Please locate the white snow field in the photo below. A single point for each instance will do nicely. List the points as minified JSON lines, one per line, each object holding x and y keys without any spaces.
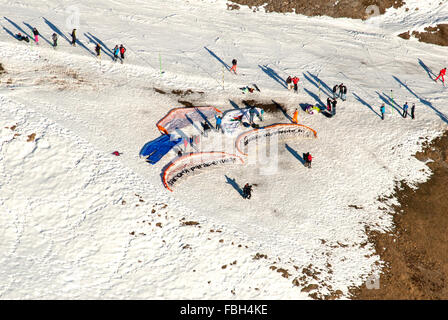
{"x":79,"y":223}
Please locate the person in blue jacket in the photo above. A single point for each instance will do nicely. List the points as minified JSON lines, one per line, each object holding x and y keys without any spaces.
{"x":383,"y":110}
{"x":405,"y":110}
{"x":218,"y":122}
{"x":116,"y":52}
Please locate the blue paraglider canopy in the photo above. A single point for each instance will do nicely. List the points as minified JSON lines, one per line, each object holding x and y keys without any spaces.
{"x":156,"y":149}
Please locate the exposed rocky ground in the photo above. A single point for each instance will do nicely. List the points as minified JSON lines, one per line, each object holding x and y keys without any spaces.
{"x":356,"y":9}
{"x":435,"y":35}
{"x":416,"y":253}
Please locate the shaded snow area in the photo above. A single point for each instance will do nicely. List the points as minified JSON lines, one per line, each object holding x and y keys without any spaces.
{"x":79,"y":222}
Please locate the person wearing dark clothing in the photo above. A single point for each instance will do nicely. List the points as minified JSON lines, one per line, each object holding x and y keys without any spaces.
{"x":289,"y":82}
{"x":342,"y":91}
{"x":334,"y":102}
{"x":405,"y":110}
{"x":206,"y":127}
{"x":122,"y":51}
{"x":247,"y":191}
{"x":305,"y":158}
{"x":335,"y":89}
{"x":22,"y":38}
{"x":73,"y":35}
{"x":55,"y":40}
{"x":36,"y":36}
{"x":98,"y":50}
{"x":412,"y":111}
{"x":329,"y":103}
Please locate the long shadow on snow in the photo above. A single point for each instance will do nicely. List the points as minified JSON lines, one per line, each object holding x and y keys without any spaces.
{"x":234,"y":105}
{"x":274,"y":75}
{"x":56,"y":30}
{"x":10,"y":33}
{"x":18,"y":27}
{"x":217,"y":58}
{"x":315,"y":83}
{"x":295,"y":154}
{"x":423,"y":101}
{"x":425,"y":67}
{"x":315,"y":97}
{"x":388,"y":100}
{"x":96,"y":41}
{"x":282,"y":110}
{"x":235,"y":185}
{"x":366,"y":104}
{"x":40,"y":35}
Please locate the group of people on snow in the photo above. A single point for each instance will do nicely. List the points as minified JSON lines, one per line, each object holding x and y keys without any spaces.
{"x":293,"y":82}
{"x":405,"y":111}
{"x":342,"y":91}
{"x":118,"y":50}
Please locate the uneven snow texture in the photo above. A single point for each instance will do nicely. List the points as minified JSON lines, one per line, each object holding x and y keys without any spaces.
{"x":78,"y":222}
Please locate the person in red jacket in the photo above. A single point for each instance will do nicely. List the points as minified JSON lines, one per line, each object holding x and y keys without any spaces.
{"x":310,"y":158}
{"x":122,"y":51}
{"x":295,"y":81}
{"x":441,"y":75}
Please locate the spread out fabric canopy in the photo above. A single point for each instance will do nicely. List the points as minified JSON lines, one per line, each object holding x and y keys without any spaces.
{"x":179,"y":118}
{"x":195,"y":163}
{"x":281,"y":130}
{"x":156,"y":149}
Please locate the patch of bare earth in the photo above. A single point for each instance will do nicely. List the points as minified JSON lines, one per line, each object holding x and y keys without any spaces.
{"x":2,"y":69}
{"x":356,"y":9}
{"x":435,"y":35}
{"x":416,"y":253}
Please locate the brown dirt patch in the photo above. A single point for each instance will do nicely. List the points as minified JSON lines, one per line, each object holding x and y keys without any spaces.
{"x":416,"y":253}
{"x":435,"y":35}
{"x":2,"y":69}
{"x":355,"y":9}
{"x":31,"y":137}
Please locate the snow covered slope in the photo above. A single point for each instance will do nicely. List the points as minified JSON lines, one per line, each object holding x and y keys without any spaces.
{"x":78,"y":222}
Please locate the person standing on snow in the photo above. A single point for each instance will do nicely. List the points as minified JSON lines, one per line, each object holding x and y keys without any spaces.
{"x":295,"y":116}
{"x":98,"y":50}
{"x":441,"y":75}
{"x":342,"y":91}
{"x":122,"y":51}
{"x":295,"y":81}
{"x":73,"y":35}
{"x":234,"y":62}
{"x":412,"y":111}
{"x":247,"y":191}
{"x":334,"y":102}
{"x":218,"y":123}
{"x":383,"y":111}
{"x":36,"y":36}
{"x":405,"y":110}
{"x":309,"y":159}
{"x":335,"y":89}
{"x":116,"y":52}
{"x":289,"y":83}
{"x":329,"y":103}
{"x":55,"y":40}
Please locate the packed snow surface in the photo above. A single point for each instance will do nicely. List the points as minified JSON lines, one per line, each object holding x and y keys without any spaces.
{"x":79,"y":222}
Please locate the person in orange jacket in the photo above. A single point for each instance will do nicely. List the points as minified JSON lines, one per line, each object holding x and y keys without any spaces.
{"x":441,"y":75}
{"x":295,"y":117}
{"x":234,"y":62}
